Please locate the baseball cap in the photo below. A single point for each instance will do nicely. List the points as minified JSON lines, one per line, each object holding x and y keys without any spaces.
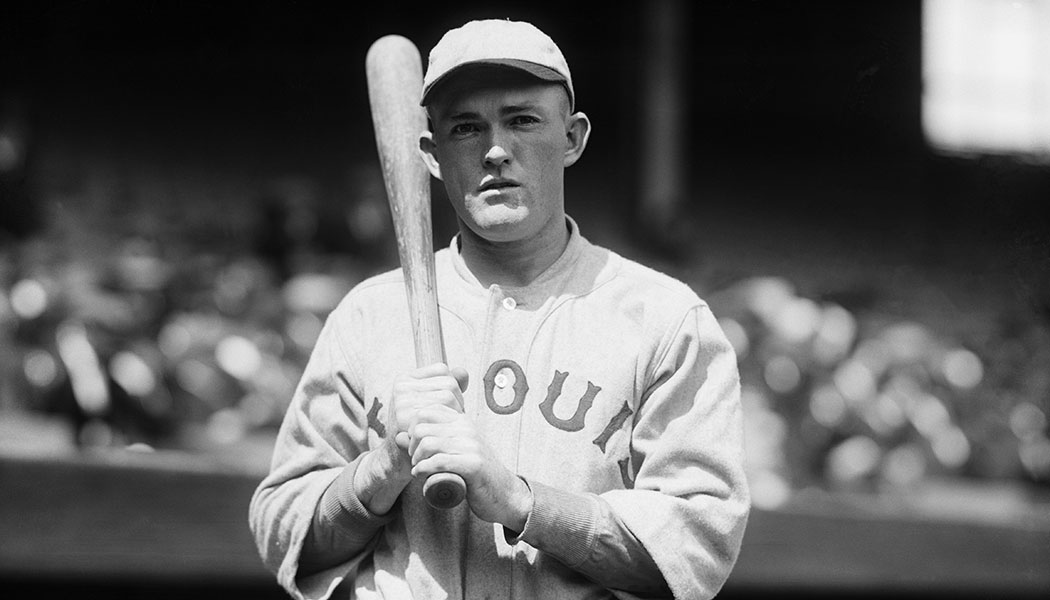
{"x":506,"y":43}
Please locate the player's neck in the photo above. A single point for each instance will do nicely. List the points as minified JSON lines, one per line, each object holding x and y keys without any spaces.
{"x":512,"y":264}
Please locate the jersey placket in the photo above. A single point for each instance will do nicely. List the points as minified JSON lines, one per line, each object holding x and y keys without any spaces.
{"x":498,"y":414}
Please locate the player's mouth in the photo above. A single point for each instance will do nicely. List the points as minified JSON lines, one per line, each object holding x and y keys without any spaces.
{"x":497,"y":184}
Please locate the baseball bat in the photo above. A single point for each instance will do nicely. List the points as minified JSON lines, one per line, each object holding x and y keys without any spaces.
{"x":395,"y":80}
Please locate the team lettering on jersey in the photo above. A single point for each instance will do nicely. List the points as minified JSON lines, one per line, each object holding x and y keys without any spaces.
{"x":554,"y":391}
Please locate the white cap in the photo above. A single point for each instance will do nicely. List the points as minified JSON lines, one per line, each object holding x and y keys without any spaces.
{"x":514,"y":44}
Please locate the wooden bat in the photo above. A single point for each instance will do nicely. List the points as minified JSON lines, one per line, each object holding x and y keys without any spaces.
{"x":395,"y":81}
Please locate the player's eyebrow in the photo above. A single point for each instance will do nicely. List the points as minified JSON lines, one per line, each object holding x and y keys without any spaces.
{"x":469,"y":115}
{"x":517,"y":108}
{"x":466,"y":115}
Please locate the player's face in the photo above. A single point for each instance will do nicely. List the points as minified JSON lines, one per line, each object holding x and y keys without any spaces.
{"x":501,"y":147}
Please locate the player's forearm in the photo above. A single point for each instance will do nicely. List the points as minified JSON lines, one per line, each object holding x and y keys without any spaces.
{"x":351,"y":511}
{"x":580,"y":531}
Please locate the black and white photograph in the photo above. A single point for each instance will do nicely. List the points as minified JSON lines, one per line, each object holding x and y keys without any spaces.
{"x":623,"y":300}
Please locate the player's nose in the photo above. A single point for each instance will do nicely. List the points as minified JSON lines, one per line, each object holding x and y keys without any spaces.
{"x":496,"y":156}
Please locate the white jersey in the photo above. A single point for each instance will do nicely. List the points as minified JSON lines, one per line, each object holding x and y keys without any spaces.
{"x":607,"y":386}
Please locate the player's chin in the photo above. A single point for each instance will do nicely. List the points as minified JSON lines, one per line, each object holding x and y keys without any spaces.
{"x":501,"y":223}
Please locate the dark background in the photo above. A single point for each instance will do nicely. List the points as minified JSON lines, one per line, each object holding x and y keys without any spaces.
{"x":804,"y":154}
{"x":802,"y":128}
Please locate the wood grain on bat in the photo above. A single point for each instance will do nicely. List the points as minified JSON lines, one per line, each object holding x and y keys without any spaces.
{"x":395,"y":75}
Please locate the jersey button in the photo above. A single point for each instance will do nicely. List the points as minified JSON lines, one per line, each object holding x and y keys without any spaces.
{"x":509,"y":303}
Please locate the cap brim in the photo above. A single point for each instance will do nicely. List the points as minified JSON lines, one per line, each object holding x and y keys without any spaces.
{"x":536,"y":70}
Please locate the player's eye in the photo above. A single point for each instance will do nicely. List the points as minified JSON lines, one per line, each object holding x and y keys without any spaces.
{"x":461,"y":129}
{"x":524,"y":120}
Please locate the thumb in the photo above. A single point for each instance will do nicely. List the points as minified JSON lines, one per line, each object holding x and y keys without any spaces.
{"x":462,"y":377}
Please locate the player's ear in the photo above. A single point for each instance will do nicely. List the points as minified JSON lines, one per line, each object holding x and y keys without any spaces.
{"x":578,"y":130}
{"x":428,"y":152}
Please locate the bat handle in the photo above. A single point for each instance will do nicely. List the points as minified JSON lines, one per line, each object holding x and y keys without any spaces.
{"x":444,"y":490}
{"x":441,"y":490}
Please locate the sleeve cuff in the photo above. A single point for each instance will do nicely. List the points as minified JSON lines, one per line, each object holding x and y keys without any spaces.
{"x":341,"y":507}
{"x":561,"y":523}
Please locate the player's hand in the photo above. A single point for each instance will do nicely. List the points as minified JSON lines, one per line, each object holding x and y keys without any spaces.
{"x":431,"y":387}
{"x":444,"y":440}
{"x":385,"y":471}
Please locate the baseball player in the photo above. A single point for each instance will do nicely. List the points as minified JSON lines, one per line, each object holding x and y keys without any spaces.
{"x":590,"y":404}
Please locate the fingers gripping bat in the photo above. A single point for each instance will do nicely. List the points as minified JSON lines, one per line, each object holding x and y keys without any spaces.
{"x":395,"y":78}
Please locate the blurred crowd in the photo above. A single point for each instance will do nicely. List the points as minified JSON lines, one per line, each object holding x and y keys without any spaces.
{"x":138,"y":346}
{"x":859,"y":400}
